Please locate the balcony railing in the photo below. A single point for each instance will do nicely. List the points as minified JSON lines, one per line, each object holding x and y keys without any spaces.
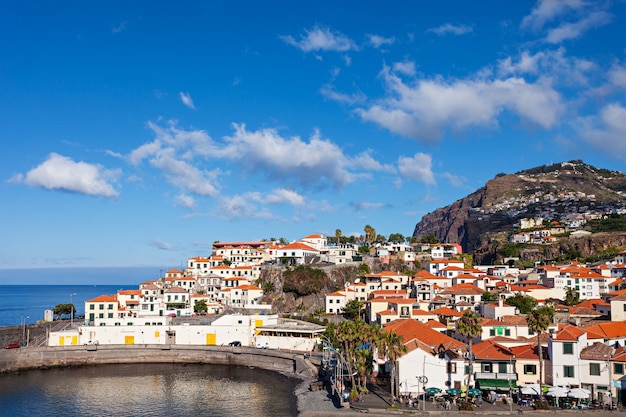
{"x":497,"y":375}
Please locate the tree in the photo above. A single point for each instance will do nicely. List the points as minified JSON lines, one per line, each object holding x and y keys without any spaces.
{"x":429,"y":238}
{"x":393,"y":348}
{"x":469,"y":326}
{"x":571,"y":296}
{"x":538,"y":322}
{"x":353,"y":309}
{"x":524,"y":303}
{"x":338,"y":236}
{"x":200,"y":306}
{"x":396,"y":238}
{"x":370,"y":234}
{"x":487,"y":296}
{"x":61,"y":310}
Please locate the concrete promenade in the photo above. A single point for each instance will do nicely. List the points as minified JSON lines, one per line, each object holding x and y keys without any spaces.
{"x":286,"y":362}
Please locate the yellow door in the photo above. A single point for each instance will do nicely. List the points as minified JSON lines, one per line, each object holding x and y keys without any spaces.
{"x":129,"y":340}
{"x":211,"y":338}
{"x":61,"y":340}
{"x":74,"y":340}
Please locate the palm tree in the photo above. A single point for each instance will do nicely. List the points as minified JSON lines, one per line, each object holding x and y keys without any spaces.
{"x":338,"y":235}
{"x":393,"y":348}
{"x":538,"y":322}
{"x":469,"y":326}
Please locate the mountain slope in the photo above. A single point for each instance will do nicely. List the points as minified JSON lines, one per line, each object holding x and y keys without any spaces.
{"x":557,"y":192}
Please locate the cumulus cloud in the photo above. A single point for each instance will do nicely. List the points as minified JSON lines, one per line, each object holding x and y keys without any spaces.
{"x":285,"y":196}
{"x":449,"y":28}
{"x":607,"y":130}
{"x":377,"y":41}
{"x":418,"y":168}
{"x":547,"y":10}
{"x":321,"y":38}
{"x":240,"y":207}
{"x":576,"y":29}
{"x":186,"y":99}
{"x":406,"y":68}
{"x":311,"y":162}
{"x":617,"y":76}
{"x":59,"y":172}
{"x":186,"y":201}
{"x":425,"y":109}
{"x":185,"y":175}
{"x":329,"y":92}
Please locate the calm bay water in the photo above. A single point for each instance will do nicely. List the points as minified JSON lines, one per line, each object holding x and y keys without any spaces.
{"x":22,"y":301}
{"x":148,"y":390}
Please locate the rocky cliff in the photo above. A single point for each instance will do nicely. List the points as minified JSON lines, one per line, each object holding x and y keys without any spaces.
{"x":559,"y":192}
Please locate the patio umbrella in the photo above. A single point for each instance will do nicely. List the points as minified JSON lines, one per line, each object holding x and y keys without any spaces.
{"x":579,"y":393}
{"x":474,"y":392}
{"x":557,"y":392}
{"x":433,"y":390}
{"x":528,"y":390}
{"x":453,"y":391}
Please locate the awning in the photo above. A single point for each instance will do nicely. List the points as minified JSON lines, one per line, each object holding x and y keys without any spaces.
{"x":495,"y":384}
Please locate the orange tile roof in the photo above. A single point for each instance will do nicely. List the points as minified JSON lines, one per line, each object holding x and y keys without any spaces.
{"x":298,"y":245}
{"x":610,"y":330}
{"x":488,"y":349}
{"x":446,"y":311}
{"x":411,"y":329}
{"x":103,"y":299}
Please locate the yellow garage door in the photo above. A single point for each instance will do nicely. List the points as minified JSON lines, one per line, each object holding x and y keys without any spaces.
{"x":61,"y":340}
{"x":129,"y":340}
{"x":211,"y":338}
{"x":74,"y":340}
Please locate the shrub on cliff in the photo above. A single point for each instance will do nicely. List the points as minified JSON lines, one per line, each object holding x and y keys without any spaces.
{"x":304,"y":280}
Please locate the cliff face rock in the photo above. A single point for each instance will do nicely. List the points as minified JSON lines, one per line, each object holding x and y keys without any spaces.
{"x":557,"y":192}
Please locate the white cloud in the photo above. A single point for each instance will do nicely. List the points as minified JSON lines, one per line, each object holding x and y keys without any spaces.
{"x":315,"y":162}
{"x":186,"y":176}
{"x":240,"y":207}
{"x":186,"y":201}
{"x":607,"y":130}
{"x":59,"y":172}
{"x":547,"y":10}
{"x":329,"y":92}
{"x":285,"y":196}
{"x":406,"y":68}
{"x":186,"y":99}
{"x":162,"y":245}
{"x":449,"y":28}
{"x":576,"y":29}
{"x":455,"y":180}
{"x":617,"y":76}
{"x":561,"y":68}
{"x":321,"y":39}
{"x":425,"y":109}
{"x":364,"y":205}
{"x":418,"y":168}
{"x":377,"y":41}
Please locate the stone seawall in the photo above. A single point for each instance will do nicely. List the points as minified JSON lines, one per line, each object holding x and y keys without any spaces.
{"x":288,"y":363}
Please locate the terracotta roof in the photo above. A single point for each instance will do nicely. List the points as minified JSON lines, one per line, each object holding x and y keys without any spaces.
{"x":435,"y":324}
{"x":411,"y":329}
{"x":597,"y":352}
{"x":610,"y":330}
{"x":445,"y":311}
{"x":298,"y":245}
{"x":528,"y":351}
{"x":103,"y":299}
{"x":489,"y":349}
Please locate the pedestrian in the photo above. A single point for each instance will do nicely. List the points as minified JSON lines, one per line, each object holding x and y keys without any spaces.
{"x":447,"y":404}
{"x":480,"y":401}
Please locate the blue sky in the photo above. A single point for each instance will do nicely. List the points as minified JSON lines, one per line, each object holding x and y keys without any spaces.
{"x":137,"y":134}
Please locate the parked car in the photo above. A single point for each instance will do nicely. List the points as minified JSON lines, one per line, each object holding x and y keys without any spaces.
{"x":235,"y":343}
{"x":13,"y":346}
{"x":261,"y":345}
{"x":171,"y":315}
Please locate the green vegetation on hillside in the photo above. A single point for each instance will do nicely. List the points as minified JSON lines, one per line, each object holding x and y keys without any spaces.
{"x":613,"y":223}
{"x":304,"y":280}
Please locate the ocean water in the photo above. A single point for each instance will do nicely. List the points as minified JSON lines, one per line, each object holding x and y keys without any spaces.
{"x":27,"y":303}
{"x":148,"y":390}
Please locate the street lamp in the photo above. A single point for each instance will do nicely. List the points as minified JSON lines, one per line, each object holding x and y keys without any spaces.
{"x":72,"y":310}
{"x":24,"y":327}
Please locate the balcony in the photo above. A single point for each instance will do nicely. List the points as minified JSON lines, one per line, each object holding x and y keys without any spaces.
{"x":502,"y":376}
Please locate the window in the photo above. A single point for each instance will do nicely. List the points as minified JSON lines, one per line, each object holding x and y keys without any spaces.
{"x":110,"y":315}
{"x":568,"y":348}
{"x":486,"y":367}
{"x":93,"y":307}
{"x":618,"y":368}
{"x":594,"y":369}
{"x":492,"y":332}
{"x":451,"y":368}
{"x":101,"y":306}
{"x":502,"y":367}
{"x":101,"y":315}
{"x":568,"y":371}
{"x":530,"y":369}
{"x":110,"y":306}
{"x":507,"y":332}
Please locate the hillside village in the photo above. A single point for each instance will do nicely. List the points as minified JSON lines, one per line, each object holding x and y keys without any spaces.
{"x":217,"y":300}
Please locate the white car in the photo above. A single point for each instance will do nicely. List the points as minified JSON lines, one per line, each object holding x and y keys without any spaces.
{"x":261,"y":345}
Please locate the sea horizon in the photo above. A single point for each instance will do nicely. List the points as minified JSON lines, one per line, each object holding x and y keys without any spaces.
{"x":109,"y":275}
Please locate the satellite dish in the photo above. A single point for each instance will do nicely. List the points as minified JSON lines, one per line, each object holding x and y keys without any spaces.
{"x":346,"y":285}
{"x":356,"y":281}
